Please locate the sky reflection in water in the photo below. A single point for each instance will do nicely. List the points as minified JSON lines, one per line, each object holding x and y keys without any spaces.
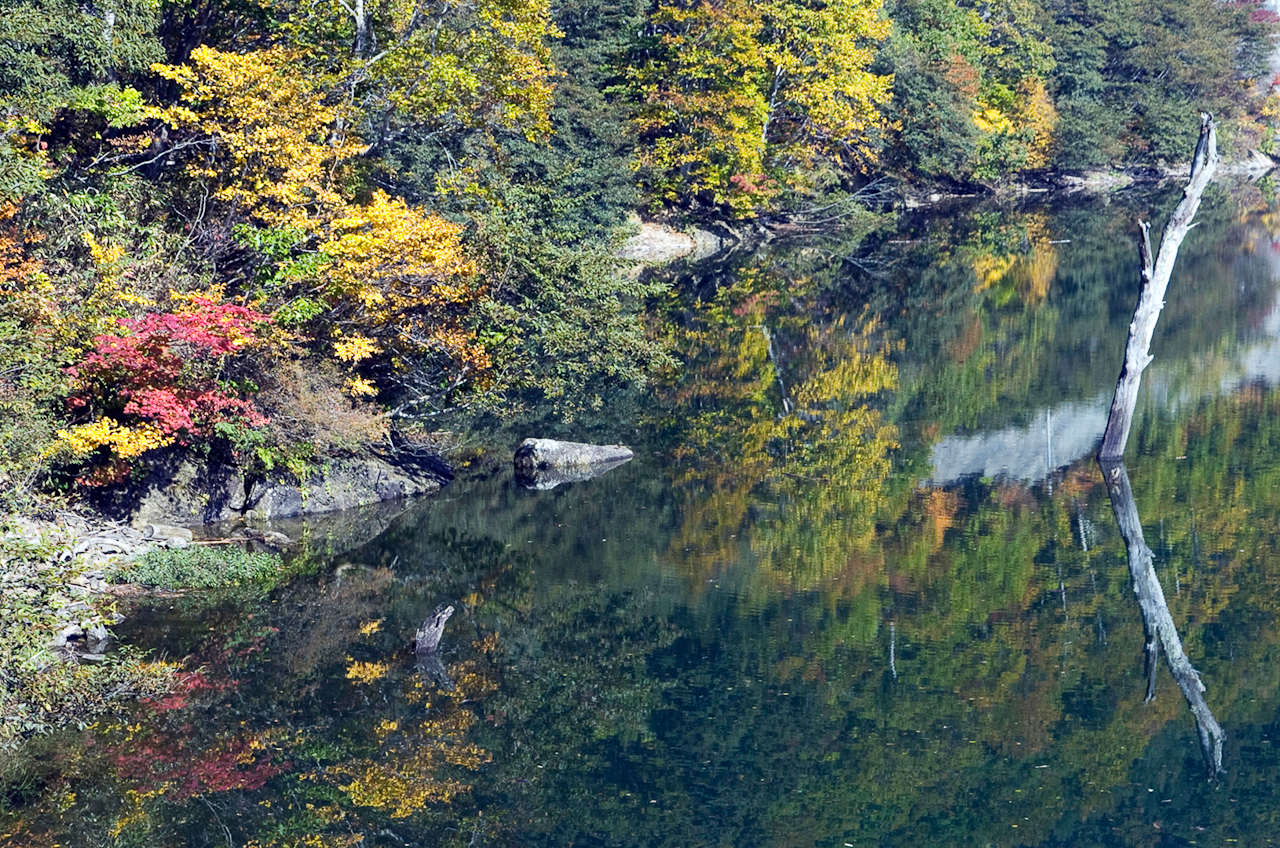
{"x":772,"y":628}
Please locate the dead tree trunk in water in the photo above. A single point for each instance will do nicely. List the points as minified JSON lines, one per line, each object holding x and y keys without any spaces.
{"x":1155,"y":280}
{"x":425,"y":644}
{"x":1157,"y":622}
{"x":432,"y":629}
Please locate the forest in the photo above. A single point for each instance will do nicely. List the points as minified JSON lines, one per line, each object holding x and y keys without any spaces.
{"x":273,"y":231}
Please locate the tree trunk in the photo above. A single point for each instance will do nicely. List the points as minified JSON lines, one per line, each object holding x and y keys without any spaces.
{"x":362,"y":30}
{"x":432,"y":629}
{"x":1155,"y":280}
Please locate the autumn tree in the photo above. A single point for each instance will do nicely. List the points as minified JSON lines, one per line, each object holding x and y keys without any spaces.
{"x":162,"y":379}
{"x":740,"y":100}
{"x":970,"y":97}
{"x":265,"y":137}
{"x":409,"y":66}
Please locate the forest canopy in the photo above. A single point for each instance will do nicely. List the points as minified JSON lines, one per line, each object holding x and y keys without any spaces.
{"x":277,"y":230}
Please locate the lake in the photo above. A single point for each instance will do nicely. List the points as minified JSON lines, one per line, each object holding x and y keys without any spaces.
{"x":862,"y":585}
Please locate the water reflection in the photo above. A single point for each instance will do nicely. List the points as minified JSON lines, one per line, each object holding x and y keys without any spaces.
{"x":766,"y":630}
{"x":1059,"y":436}
{"x":1157,"y":622}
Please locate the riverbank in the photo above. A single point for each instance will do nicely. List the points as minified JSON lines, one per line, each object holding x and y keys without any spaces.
{"x":56,"y":606}
{"x":656,"y":243}
{"x":69,"y":576}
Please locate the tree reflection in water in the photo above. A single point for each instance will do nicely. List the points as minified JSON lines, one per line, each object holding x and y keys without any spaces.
{"x":1157,"y":622}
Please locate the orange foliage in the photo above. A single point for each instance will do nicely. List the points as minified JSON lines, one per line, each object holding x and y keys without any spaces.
{"x":15,"y":267}
{"x":963,"y":75}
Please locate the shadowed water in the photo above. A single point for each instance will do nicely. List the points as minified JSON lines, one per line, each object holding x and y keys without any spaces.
{"x":862,"y":585}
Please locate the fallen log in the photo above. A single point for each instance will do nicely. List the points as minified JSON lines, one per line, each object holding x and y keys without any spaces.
{"x":546,"y":454}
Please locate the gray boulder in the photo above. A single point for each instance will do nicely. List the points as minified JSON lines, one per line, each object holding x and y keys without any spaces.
{"x":546,"y":463}
{"x":184,"y":489}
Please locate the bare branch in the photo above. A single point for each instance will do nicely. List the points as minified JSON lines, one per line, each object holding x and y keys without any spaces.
{"x":1156,"y":272}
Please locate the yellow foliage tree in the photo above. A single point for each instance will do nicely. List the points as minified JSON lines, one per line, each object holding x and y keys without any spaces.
{"x":271,"y":143}
{"x":450,"y":66}
{"x":394,"y":278}
{"x":740,"y":98}
{"x":401,"y":276}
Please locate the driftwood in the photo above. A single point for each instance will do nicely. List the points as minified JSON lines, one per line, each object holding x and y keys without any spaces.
{"x":546,"y":463}
{"x":546,"y":454}
{"x":428,"y":638}
{"x":1157,"y":622}
{"x":1156,"y":271}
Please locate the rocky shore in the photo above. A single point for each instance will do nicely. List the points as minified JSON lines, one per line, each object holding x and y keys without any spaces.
{"x":53,"y":576}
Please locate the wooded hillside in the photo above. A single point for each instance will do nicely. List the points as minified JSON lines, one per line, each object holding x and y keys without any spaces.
{"x":276,"y":230}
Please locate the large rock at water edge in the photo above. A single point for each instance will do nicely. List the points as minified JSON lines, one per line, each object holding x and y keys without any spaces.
{"x":183,"y":489}
{"x":535,"y":455}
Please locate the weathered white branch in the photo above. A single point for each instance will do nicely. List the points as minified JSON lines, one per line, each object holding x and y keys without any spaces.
{"x":1155,"y":280}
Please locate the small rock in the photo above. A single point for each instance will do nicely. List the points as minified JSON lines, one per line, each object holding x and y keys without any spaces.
{"x":98,"y":639}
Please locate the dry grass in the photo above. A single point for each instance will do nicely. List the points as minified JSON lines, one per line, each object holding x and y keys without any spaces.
{"x":306,"y":403}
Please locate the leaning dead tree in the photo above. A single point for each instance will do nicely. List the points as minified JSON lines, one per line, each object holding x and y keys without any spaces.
{"x":1156,"y":270}
{"x":1157,"y":622}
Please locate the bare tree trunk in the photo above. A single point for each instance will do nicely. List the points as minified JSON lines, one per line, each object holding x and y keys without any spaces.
{"x":1155,"y":280}
{"x":432,"y":629}
{"x":360,"y":43}
{"x":1157,"y":622}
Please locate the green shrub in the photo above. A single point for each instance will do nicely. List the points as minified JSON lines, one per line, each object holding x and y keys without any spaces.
{"x":199,"y":567}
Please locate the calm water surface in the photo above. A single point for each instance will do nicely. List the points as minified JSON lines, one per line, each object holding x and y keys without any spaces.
{"x":863,"y":585}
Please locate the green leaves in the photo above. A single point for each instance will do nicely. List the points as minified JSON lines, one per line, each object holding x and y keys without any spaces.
{"x":199,"y":568}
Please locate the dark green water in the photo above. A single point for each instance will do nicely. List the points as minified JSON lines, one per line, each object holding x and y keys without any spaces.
{"x":862,"y":586}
